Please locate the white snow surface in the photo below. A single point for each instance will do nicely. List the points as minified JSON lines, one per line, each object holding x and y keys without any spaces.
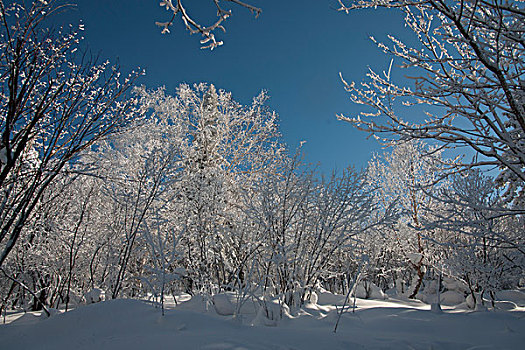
{"x":195,"y":324}
{"x":95,"y":295}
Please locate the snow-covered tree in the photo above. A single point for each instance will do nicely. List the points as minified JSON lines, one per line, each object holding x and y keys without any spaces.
{"x":54,"y":104}
{"x":468,"y":71}
{"x":406,"y":179}
{"x":226,"y":147}
{"x":480,"y":246}
{"x":342,"y":213}
{"x":54,"y":252}
{"x":308,"y":228}
{"x":140,"y":167}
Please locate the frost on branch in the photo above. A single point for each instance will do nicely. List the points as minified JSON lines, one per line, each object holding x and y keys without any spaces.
{"x":53,"y":105}
{"x":208,"y":40}
{"x":468,"y":72}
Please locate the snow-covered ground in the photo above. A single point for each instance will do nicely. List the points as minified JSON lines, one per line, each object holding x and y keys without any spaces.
{"x":376,"y":324}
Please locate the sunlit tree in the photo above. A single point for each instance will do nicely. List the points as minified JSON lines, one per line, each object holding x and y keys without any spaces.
{"x":468,"y":72}
{"x":54,"y":103}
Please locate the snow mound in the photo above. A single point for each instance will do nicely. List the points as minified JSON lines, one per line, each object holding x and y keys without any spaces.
{"x":29,"y":318}
{"x":36,"y":316}
{"x":223,"y":305}
{"x":476,"y":304}
{"x":230,"y":303}
{"x":455,"y":285}
{"x":451,"y":298}
{"x":95,"y":295}
{"x":515,"y":296}
{"x":326,"y":298}
{"x":368,"y":290}
{"x":313,"y":297}
{"x":273,"y":310}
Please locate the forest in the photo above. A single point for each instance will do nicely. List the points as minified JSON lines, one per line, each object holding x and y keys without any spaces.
{"x":112,"y":190}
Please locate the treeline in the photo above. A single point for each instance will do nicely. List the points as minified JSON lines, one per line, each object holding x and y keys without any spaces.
{"x":201,"y":196}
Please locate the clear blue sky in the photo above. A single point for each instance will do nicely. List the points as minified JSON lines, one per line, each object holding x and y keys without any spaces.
{"x":295,"y":50}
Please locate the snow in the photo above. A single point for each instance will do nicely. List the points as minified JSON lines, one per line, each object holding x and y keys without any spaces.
{"x":326,"y":298}
{"x":376,"y":292}
{"x":367,"y":290}
{"x":455,"y":285}
{"x":515,"y":296}
{"x":223,"y":305}
{"x":196,"y":324}
{"x":452,"y":298}
{"x":95,"y":295}
{"x":415,"y":258}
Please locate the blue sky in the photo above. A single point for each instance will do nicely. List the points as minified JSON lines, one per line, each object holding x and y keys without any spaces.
{"x":295,"y":50}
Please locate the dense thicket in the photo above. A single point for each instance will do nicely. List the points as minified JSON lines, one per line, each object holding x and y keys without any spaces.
{"x":200,"y":196}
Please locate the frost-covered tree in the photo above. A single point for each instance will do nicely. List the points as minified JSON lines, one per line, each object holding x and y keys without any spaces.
{"x":342,"y":211}
{"x":406,"y":179}
{"x":308,"y":229}
{"x":278,"y":208}
{"x":54,"y":104}
{"x":140,"y":167}
{"x":479,"y":245}
{"x":54,"y":253}
{"x":468,"y":71}
{"x":162,"y":239}
{"x":177,"y":8}
{"x":226,"y":148}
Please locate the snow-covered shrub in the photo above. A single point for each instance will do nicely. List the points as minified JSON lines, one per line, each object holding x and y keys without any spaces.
{"x":456,"y":285}
{"x":516,"y":296}
{"x":271,"y":312}
{"x":223,"y":305}
{"x":452,"y":298}
{"x":325,"y":297}
{"x":368,"y":290}
{"x":95,"y":295}
{"x":313,"y":297}
{"x":475,"y":302}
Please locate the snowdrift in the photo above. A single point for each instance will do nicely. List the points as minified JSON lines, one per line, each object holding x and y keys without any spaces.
{"x":376,"y":324}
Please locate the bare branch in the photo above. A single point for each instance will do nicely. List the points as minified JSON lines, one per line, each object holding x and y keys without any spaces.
{"x":207,"y":32}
